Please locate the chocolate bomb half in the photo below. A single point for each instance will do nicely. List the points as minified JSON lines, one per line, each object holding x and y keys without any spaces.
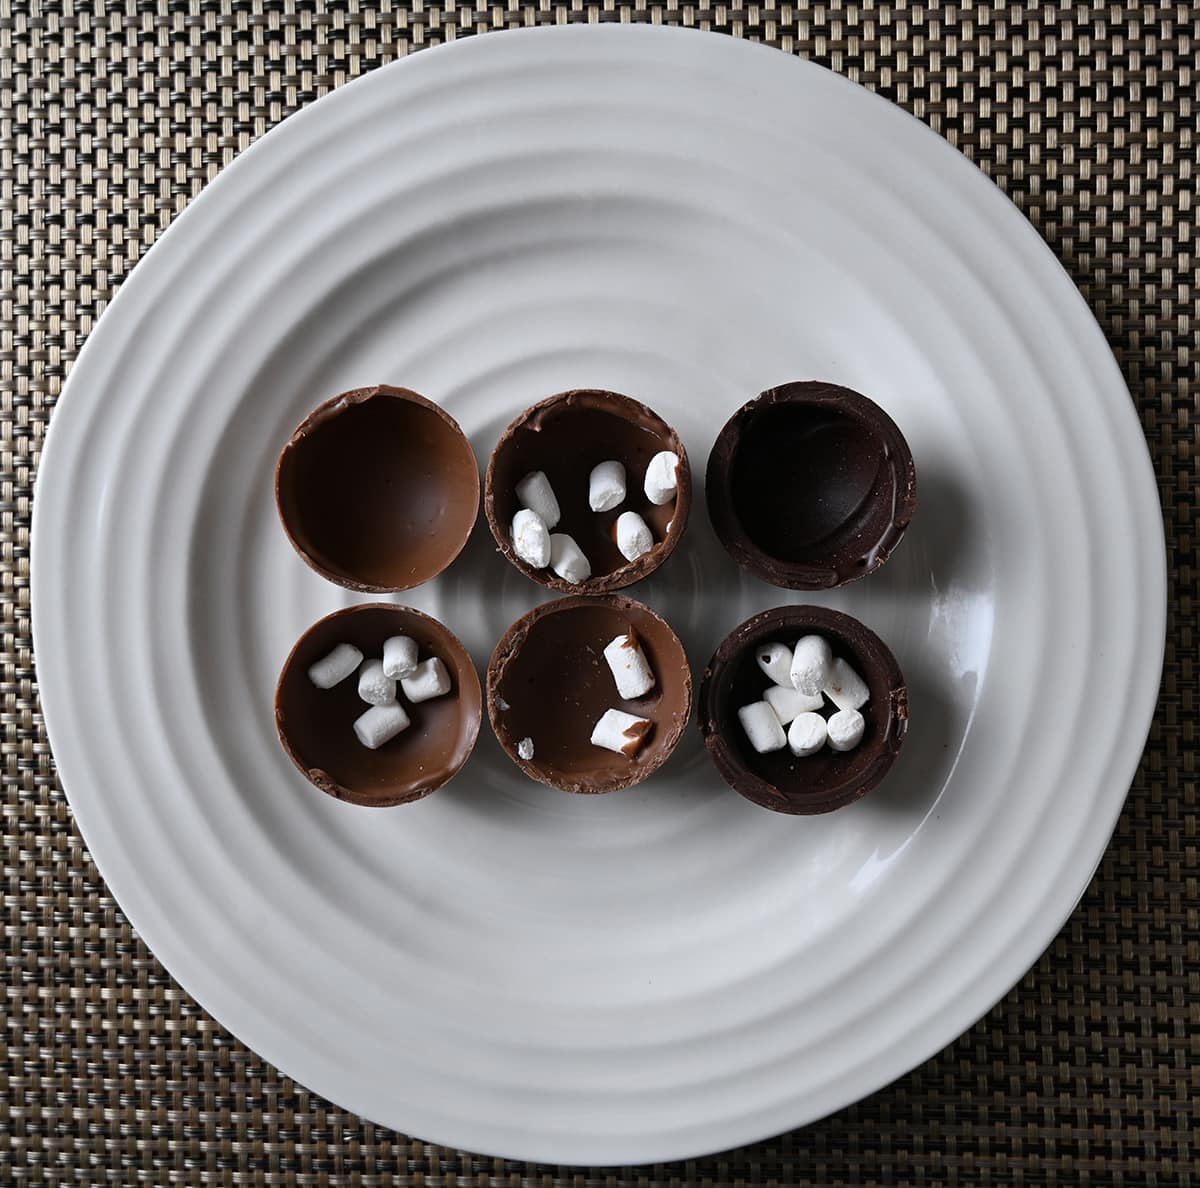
{"x":779,"y":780}
{"x":548,"y":682}
{"x":316,"y":726}
{"x":378,"y":489}
{"x":810,"y":486}
{"x":566,"y":436}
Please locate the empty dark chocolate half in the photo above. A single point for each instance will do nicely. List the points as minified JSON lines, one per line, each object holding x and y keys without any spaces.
{"x":566,"y":436}
{"x":378,"y":489}
{"x":316,"y":726}
{"x":810,"y":486}
{"x":548,"y":682}
{"x":779,"y":780}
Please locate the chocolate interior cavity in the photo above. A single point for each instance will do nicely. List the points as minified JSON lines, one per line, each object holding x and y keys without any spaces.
{"x":316,"y":726}
{"x":548,"y":681}
{"x":378,"y":489}
{"x":810,"y":486}
{"x":566,"y":436}
{"x":780,"y":780}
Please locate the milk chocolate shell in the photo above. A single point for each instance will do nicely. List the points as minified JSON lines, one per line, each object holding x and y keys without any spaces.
{"x":566,"y":436}
{"x":548,"y":682}
{"x":316,"y":726}
{"x":779,"y":780}
{"x":810,"y":486}
{"x":378,"y":489}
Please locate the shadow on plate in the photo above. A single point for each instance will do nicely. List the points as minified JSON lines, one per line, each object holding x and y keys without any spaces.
{"x":938,"y":723}
{"x":944,"y":545}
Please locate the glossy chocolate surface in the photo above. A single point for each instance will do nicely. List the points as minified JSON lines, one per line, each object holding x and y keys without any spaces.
{"x":810,"y":486}
{"x":779,"y":780}
{"x":566,"y":436}
{"x":548,"y":681}
{"x":316,"y":726}
{"x":378,"y":489}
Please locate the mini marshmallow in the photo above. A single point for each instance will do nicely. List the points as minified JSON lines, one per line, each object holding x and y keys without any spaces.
{"x":845,"y":688}
{"x":807,"y":734}
{"x":399,"y":656}
{"x":845,"y":729}
{"x":762,"y":727}
{"x":374,"y":686}
{"x":811,"y":660}
{"x":335,"y":667}
{"x":430,"y":680}
{"x":535,"y":492}
{"x":776,"y":661}
{"x":620,"y":732}
{"x":789,"y":704}
{"x":662,"y":477}
{"x":525,"y":749}
{"x":606,"y":486}
{"x":630,"y":668}
{"x":567,"y":559}
{"x":531,"y":538}
{"x":633,"y":535}
{"x":380,"y":724}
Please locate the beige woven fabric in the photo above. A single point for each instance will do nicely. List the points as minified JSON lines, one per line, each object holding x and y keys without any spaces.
{"x":112,"y":116}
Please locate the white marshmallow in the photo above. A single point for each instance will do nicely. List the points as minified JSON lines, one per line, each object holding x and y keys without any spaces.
{"x":380,"y":723}
{"x":810,"y":664}
{"x":531,"y":538}
{"x":399,"y":656}
{"x":846,"y":689}
{"x":535,"y":492}
{"x":846,"y":729}
{"x":620,"y":732}
{"x":776,"y":661}
{"x":807,"y":734}
{"x":525,"y":749}
{"x":662,"y":477}
{"x":630,"y":668}
{"x":335,"y":667}
{"x":789,"y":704}
{"x":633,"y":535}
{"x":567,"y":559}
{"x":374,"y":687}
{"x":606,"y":486}
{"x":762,"y":727}
{"x":430,"y":680}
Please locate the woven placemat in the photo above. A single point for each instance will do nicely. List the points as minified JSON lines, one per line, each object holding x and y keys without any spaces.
{"x":114,"y":115}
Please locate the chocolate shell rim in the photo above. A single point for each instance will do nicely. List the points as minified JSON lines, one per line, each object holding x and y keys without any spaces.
{"x":326,"y":411}
{"x":510,"y":644}
{"x":633,"y":571}
{"x":790,"y":575}
{"x":849,"y":636}
{"x":321,"y":779}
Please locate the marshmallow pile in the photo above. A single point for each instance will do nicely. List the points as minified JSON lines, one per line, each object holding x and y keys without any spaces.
{"x":536,"y":545}
{"x":803,"y":677}
{"x":420,"y":680}
{"x":617,"y":730}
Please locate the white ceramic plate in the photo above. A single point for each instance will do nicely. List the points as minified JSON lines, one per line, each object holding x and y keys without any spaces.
{"x":670,"y":970}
